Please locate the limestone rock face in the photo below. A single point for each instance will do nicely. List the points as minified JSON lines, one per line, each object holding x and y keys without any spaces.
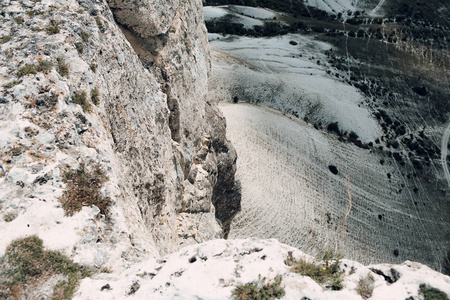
{"x":78,"y":88}
{"x":146,"y":18}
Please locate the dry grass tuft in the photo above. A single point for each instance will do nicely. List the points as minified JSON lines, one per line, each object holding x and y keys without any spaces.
{"x":83,"y":189}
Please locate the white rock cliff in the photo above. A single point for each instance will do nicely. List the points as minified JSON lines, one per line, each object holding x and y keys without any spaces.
{"x":121,"y":85}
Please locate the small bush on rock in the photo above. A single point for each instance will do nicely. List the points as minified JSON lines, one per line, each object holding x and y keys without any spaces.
{"x":365,"y":286}
{"x":431,"y":293}
{"x":95,"y":96}
{"x":52,"y":28}
{"x":44,"y":66}
{"x":62,"y":67}
{"x":26,"y":70}
{"x":327,"y":273}
{"x":26,"y":261}
{"x":83,"y":189}
{"x":5,"y":39}
{"x":81,"y":99}
{"x":259,"y":290}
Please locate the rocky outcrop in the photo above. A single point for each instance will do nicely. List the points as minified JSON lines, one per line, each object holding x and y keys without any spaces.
{"x":214,"y":269}
{"x":130,"y":98}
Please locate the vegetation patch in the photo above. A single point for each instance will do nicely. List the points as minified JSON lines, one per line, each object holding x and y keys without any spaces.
{"x":83,"y":189}
{"x":326,"y":273}
{"x":99,"y":23}
{"x":44,"y":66}
{"x":84,"y":36}
{"x":5,"y":39}
{"x":365,"y":286}
{"x":79,"y":47}
{"x":9,"y":217}
{"x":12,"y":84}
{"x":259,"y":290}
{"x":81,"y":99}
{"x":52,"y":28}
{"x":95,"y":96}
{"x":27,"y":70}
{"x":26,"y":261}
{"x":431,"y":293}
{"x":62,"y":67}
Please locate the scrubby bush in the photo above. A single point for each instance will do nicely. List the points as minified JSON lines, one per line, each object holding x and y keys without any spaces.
{"x":365,"y":286}
{"x":95,"y":96}
{"x":52,"y":28}
{"x":83,"y":189}
{"x":62,"y":67}
{"x":44,"y":66}
{"x":81,"y":99}
{"x":26,"y":70}
{"x":327,"y":272}
{"x":431,"y":293}
{"x":259,"y":290}
{"x":26,"y":260}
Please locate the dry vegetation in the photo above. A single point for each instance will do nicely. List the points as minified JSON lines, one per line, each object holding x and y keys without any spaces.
{"x":26,"y":265}
{"x":83,"y":189}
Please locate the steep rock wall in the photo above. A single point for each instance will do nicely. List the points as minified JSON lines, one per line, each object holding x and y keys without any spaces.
{"x":152,"y":131}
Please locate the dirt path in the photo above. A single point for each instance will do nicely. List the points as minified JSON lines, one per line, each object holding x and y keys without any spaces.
{"x":444,"y":152}
{"x":377,"y":7}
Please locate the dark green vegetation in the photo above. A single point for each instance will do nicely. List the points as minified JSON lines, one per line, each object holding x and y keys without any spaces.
{"x":430,"y":293}
{"x":27,"y":263}
{"x":326,"y":273}
{"x":95,"y":96}
{"x":83,"y":189}
{"x":27,"y":70}
{"x":42,"y":66}
{"x":52,"y":27}
{"x":259,"y":290}
{"x":81,"y":99}
{"x":62,"y":67}
{"x":5,"y":39}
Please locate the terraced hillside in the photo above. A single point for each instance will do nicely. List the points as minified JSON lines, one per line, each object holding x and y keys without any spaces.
{"x":370,"y":85}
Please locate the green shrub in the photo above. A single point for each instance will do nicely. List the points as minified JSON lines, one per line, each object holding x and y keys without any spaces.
{"x":44,"y":66}
{"x":365,"y":286}
{"x":327,"y":273}
{"x":81,"y":99}
{"x":84,"y":36}
{"x":26,"y":70}
{"x":99,"y":23}
{"x":95,"y":96}
{"x":9,"y":217}
{"x":19,"y":20}
{"x":83,"y":189}
{"x":5,"y":39}
{"x":12,"y":84}
{"x":52,"y":28}
{"x":25,"y":260}
{"x":34,"y":12}
{"x":62,"y":67}
{"x":431,"y":293}
{"x":79,"y":47}
{"x":259,"y":290}
{"x":93,"y":67}
{"x":16,"y":151}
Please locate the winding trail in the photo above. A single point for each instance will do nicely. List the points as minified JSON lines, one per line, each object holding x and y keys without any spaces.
{"x":444,"y":152}
{"x":377,"y":7}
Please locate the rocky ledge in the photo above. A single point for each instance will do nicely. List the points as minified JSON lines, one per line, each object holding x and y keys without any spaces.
{"x":213,"y":270}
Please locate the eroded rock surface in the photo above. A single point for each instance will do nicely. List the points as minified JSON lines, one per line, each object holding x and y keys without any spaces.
{"x":76,"y":91}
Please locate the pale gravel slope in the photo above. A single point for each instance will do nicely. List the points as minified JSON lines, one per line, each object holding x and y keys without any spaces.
{"x":290,"y":78}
